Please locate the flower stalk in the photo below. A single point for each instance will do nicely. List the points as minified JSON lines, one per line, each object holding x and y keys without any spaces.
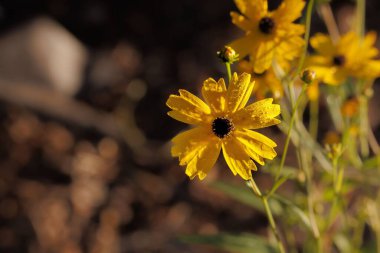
{"x":269,"y":214}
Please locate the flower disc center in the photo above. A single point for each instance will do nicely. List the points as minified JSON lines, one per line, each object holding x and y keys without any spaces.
{"x":266,"y":25}
{"x":339,"y":60}
{"x":221,"y":127}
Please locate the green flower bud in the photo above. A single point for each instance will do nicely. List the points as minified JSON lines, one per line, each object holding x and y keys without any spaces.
{"x":308,"y":76}
{"x":228,"y":55}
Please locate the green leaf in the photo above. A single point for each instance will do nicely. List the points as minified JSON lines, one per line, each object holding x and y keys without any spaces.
{"x":296,"y":210}
{"x":371,"y":163}
{"x":237,"y":243}
{"x":246,"y":196}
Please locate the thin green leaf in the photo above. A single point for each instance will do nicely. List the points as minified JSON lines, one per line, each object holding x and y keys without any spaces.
{"x":296,"y":210}
{"x":237,"y":243}
{"x":246,"y":196}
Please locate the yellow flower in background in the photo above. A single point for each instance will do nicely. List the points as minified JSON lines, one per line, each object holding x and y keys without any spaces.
{"x":269,"y":35}
{"x":223,"y":122}
{"x":349,"y":57}
{"x":266,"y":83}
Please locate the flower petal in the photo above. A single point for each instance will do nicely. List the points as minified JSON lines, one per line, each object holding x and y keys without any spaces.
{"x":188,"y":108}
{"x":204,"y":160}
{"x":187,"y":144}
{"x":253,"y":9}
{"x":288,"y":11}
{"x":241,"y":21}
{"x":237,"y":159}
{"x":257,"y":115}
{"x":256,"y":145}
{"x":239,"y":91}
{"x":335,"y":76}
{"x":215,"y":94}
{"x":290,"y":48}
{"x":244,"y":45}
{"x":198,"y":149}
{"x":322,"y":44}
{"x":264,"y":56}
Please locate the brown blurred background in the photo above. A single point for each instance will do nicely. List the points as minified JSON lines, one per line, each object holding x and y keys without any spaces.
{"x":84,"y":137}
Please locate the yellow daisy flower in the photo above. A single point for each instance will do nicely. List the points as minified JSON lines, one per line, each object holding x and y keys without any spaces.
{"x":269,"y":35}
{"x":349,"y":57}
{"x":223,"y":122}
{"x":266,"y":83}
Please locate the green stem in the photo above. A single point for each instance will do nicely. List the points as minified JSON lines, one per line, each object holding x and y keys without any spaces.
{"x":313,"y":126}
{"x":269,"y":214}
{"x":291,"y":124}
{"x":335,"y":201}
{"x":360,"y":18}
{"x":327,"y":15}
{"x":303,"y":162}
{"x":228,"y":67}
{"x":306,"y":36}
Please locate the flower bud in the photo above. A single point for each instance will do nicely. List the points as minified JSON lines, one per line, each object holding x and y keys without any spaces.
{"x":350,"y":107}
{"x":228,"y":55}
{"x":308,"y":76}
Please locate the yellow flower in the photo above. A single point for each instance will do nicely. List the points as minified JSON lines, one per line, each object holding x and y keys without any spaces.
{"x":349,"y":57}
{"x":223,"y":122}
{"x":269,"y":35}
{"x":266,"y":83}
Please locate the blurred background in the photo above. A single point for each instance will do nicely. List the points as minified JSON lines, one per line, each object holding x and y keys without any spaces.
{"x":85,"y":160}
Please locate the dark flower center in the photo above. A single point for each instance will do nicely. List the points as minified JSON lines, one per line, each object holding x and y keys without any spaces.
{"x":266,"y":25}
{"x":222,"y":127}
{"x":339,"y":60}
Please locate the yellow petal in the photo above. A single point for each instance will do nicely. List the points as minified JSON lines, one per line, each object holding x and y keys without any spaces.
{"x":348,"y":40}
{"x":237,"y":159}
{"x":335,"y":76}
{"x":370,"y":38}
{"x":215,"y":94}
{"x":264,"y":56}
{"x":257,"y":115}
{"x":253,"y":9}
{"x":244,"y":45}
{"x":313,"y":91}
{"x":239,"y":91}
{"x":322,"y":44}
{"x":256,"y":144}
{"x":204,"y":160}
{"x":188,"y":108}
{"x":372,"y":69}
{"x":288,"y":11}
{"x":198,"y":149}
{"x":185,"y":118}
{"x":290,"y":48}
{"x":241,"y":22}
{"x":187,"y":144}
